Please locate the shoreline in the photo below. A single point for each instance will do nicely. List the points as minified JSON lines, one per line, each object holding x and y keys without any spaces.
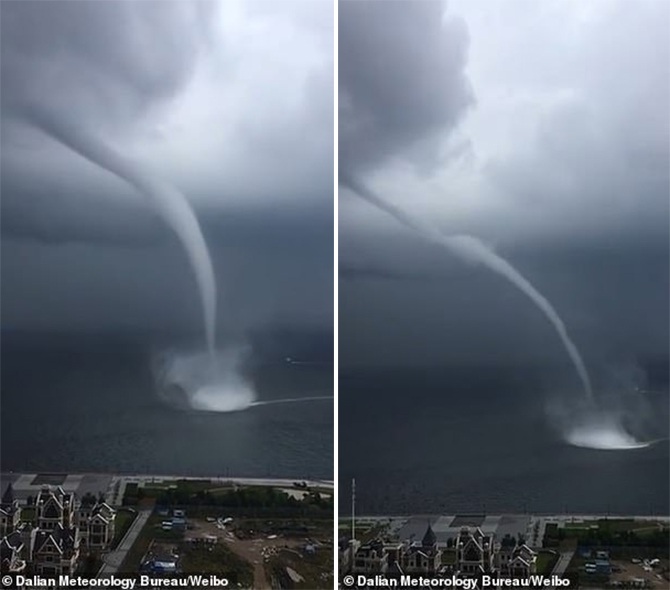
{"x":112,"y":485}
{"x":545,"y":515}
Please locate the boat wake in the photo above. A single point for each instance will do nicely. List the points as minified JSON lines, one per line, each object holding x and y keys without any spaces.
{"x":291,"y":400}
{"x":224,"y":403}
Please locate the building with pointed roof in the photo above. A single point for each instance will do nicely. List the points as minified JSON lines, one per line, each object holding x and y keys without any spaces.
{"x":97,"y":524}
{"x":55,"y":551}
{"x":429,"y":537}
{"x":61,"y":525}
{"x":10,"y":512}
{"x":53,"y":507}
{"x":371,"y":558}
{"x":514,"y":559}
{"x":474,"y":552}
{"x":12,"y":554}
{"x":378,"y":557}
{"x":424,"y":557}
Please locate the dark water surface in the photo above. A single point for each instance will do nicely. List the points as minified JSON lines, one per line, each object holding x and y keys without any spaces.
{"x":479,"y":440}
{"x":89,"y":404}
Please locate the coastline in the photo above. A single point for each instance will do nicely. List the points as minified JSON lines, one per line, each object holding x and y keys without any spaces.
{"x":112,"y":485}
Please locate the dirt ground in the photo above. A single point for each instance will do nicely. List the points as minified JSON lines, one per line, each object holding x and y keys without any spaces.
{"x":630,"y":571}
{"x":255,"y":550}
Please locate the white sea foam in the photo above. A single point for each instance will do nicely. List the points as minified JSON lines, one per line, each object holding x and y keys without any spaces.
{"x":198,"y":381}
{"x":609,"y":437}
{"x":583,"y":424}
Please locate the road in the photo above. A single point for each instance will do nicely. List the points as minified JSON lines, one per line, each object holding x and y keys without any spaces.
{"x":561,"y":565}
{"x":563,"y":562}
{"x":114,"y":559}
{"x":242,"y":481}
{"x":558,"y":518}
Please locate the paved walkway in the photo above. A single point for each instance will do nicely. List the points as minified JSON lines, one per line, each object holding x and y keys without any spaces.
{"x":561,"y":565}
{"x":241,"y":481}
{"x":114,"y":559}
{"x":563,"y":562}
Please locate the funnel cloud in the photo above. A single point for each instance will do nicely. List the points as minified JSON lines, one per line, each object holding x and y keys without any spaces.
{"x":445,"y":60}
{"x":539,"y":152}
{"x":472,"y":250}
{"x":129,"y":124}
{"x":131,"y":81}
{"x":168,"y":202}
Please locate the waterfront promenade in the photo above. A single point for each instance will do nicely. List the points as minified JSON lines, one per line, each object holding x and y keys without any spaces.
{"x":112,"y":486}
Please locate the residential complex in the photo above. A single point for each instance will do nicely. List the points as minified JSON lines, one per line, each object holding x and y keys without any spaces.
{"x":49,"y":535}
{"x":472,"y":553}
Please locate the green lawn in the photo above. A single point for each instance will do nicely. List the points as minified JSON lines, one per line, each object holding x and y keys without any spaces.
{"x":546,"y":562}
{"x":608,"y":532}
{"x":124,"y":518}
{"x":193,"y":486}
{"x":27,"y":514}
{"x":637,"y":526}
{"x":448,"y":557}
{"x":152,"y":490}
{"x":89,"y":565}
{"x":611,"y":525}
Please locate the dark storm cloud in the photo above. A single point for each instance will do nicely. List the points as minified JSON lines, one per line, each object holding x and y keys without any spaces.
{"x":182,"y":86}
{"x":401,"y":80}
{"x":100,"y":65}
{"x":102,"y":62}
{"x":183,"y":89}
{"x":567,"y":178}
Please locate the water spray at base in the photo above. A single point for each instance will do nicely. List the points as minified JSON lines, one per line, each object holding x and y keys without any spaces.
{"x":628,"y":416}
{"x":603,"y":435}
{"x":182,"y":381}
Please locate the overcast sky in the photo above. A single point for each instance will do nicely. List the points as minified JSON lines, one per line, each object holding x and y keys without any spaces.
{"x":231,"y":102}
{"x":540,"y":127}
